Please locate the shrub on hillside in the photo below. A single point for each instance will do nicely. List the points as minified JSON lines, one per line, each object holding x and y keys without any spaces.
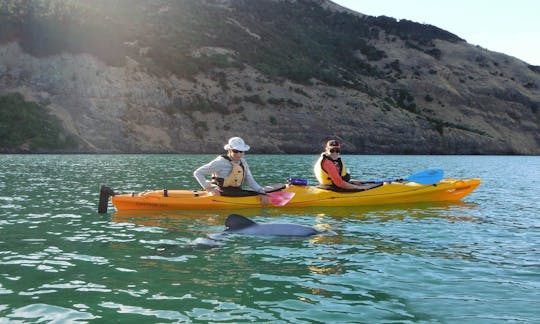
{"x":27,"y":125}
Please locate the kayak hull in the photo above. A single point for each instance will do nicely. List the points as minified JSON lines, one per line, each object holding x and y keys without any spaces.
{"x":305,"y":196}
{"x":392,"y":193}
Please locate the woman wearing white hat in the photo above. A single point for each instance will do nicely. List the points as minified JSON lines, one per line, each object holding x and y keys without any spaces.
{"x":229,"y":172}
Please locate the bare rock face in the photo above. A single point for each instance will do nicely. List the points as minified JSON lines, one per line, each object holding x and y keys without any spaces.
{"x":417,"y":97}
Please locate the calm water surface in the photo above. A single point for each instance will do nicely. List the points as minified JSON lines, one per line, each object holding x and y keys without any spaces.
{"x":477,"y":261}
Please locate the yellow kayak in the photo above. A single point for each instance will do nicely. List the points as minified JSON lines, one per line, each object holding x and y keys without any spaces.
{"x":397,"y":192}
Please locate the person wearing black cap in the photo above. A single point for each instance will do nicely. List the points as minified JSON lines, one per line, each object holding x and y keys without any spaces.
{"x":330,"y":170}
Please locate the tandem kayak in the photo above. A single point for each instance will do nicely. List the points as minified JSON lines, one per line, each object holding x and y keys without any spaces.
{"x":393,"y":192}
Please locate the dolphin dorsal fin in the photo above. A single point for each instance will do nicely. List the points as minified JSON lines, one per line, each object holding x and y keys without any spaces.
{"x":237,"y":222}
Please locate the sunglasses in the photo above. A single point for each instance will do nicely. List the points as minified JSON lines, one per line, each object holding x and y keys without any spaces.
{"x":236,"y":151}
{"x":336,"y":150}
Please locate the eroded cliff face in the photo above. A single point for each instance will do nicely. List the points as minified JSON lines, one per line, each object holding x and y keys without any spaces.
{"x":413,"y":96}
{"x":125,"y":109}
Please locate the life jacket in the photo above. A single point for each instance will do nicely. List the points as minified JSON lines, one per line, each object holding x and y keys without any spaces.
{"x":234,"y":179}
{"x":323,"y":177}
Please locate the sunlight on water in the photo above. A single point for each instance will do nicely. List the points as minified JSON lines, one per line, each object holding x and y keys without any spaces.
{"x":472,"y":261}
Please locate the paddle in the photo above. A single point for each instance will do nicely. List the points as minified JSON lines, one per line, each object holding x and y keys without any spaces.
{"x":280,"y":198}
{"x":431,"y":176}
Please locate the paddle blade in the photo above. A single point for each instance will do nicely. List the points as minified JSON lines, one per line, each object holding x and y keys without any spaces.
{"x":432,"y":176}
{"x":280,"y":198}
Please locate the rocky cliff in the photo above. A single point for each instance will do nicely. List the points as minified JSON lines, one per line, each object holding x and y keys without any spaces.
{"x":183,"y":76}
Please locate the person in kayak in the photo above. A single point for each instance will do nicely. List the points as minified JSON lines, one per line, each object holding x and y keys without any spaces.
{"x":331,"y":172}
{"x":229,"y":172}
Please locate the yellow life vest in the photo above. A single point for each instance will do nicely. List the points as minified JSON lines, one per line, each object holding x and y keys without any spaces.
{"x":236,"y":177}
{"x":323,"y":177}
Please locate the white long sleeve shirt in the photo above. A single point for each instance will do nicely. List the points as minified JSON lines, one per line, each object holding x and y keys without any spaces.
{"x":220,"y":167}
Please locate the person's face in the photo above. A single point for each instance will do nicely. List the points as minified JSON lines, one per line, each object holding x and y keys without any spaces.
{"x":333,"y":151}
{"x":236,"y":155}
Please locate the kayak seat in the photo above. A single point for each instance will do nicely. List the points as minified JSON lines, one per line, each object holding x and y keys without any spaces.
{"x":237,"y":192}
{"x":364,"y":186}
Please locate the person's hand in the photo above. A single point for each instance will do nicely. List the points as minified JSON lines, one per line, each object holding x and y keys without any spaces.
{"x":264,"y":199}
{"x":349,"y":185}
{"x":214,"y":191}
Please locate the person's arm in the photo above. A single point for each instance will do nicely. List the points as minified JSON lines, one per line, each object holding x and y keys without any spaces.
{"x":219,"y":167}
{"x":201,"y":173}
{"x":250,"y":180}
{"x":333,"y":172}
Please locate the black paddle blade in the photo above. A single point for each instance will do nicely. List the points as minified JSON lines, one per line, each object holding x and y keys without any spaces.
{"x":104,"y":194}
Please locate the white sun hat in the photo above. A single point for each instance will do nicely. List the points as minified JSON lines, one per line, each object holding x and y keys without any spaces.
{"x":236,"y":143}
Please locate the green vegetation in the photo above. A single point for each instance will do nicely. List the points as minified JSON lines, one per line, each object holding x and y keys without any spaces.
{"x":283,"y":102}
{"x":405,"y":100}
{"x":27,"y":125}
{"x":256,"y":99}
{"x":439,"y":126}
{"x":47,"y":27}
{"x":302,"y":92}
{"x":298,"y":40}
{"x":200,"y":127}
{"x":534,"y":68}
{"x":196,"y":103}
{"x":394,"y":65}
{"x":424,"y":34}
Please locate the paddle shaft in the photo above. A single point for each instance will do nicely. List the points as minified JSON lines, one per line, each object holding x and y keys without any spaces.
{"x":431,"y":176}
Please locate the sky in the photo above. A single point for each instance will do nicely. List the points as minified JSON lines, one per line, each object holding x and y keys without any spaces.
{"x":510,"y":27}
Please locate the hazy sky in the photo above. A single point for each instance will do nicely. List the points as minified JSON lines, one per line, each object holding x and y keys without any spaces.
{"x":510,"y":27}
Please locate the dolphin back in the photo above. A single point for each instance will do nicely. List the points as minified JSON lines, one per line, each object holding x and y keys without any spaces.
{"x":235,"y":222}
{"x":240,"y":224}
{"x":276,"y":229}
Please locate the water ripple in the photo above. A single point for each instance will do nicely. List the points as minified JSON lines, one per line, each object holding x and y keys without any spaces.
{"x":159,"y":314}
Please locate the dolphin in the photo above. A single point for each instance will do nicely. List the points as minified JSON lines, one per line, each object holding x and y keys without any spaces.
{"x":241,"y":225}
{"x":238,"y":224}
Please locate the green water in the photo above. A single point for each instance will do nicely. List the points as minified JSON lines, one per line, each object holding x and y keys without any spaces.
{"x":477,"y":261}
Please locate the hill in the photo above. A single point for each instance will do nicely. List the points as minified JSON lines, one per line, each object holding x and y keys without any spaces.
{"x":183,"y":76}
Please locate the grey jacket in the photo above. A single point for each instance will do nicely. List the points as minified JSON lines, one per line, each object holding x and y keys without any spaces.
{"x":220,"y":167}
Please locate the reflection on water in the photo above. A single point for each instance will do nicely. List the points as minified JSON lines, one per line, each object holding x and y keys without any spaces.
{"x":173,"y":219}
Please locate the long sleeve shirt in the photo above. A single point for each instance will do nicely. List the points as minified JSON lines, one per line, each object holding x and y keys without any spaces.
{"x":220,"y":167}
